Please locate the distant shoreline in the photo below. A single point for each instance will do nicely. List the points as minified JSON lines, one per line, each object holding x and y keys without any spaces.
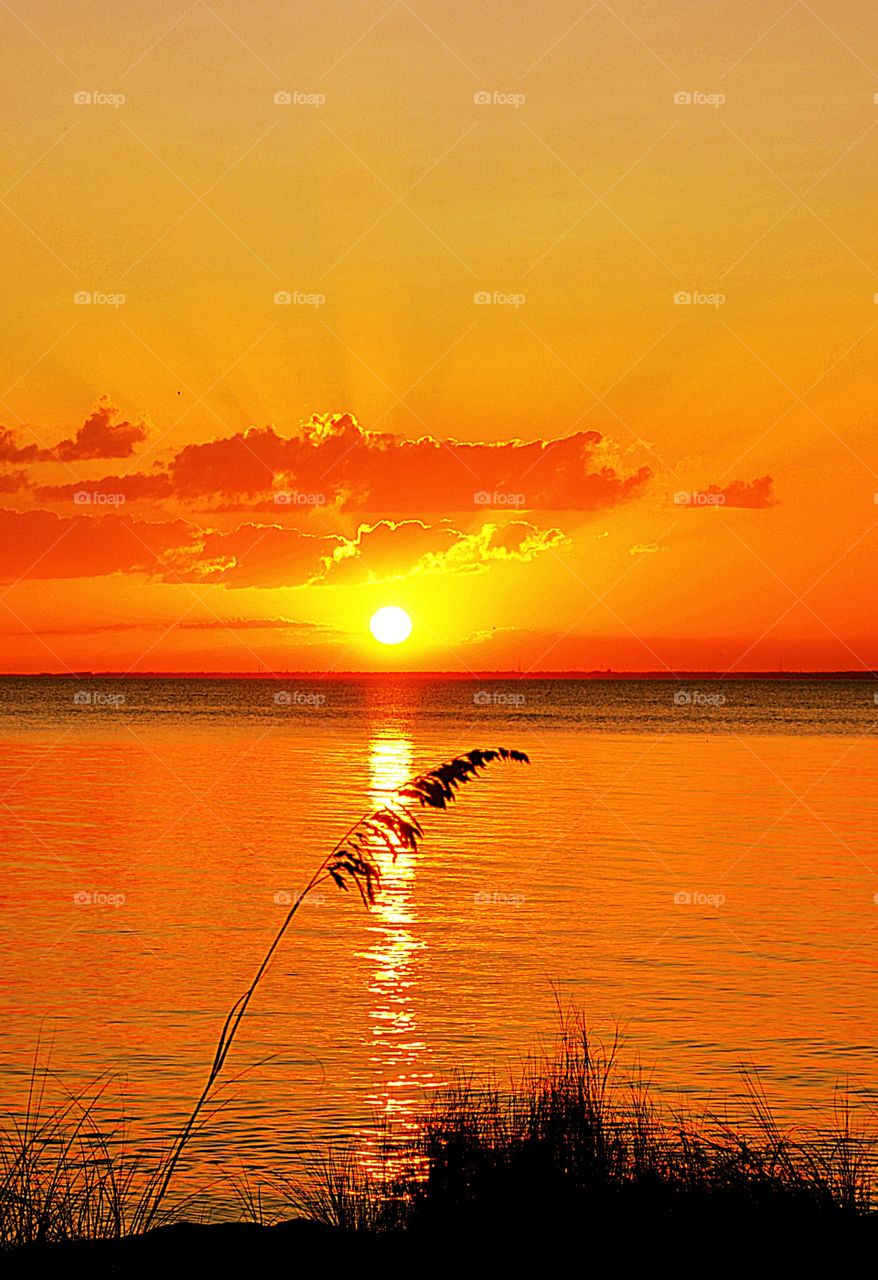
{"x":658,"y":676}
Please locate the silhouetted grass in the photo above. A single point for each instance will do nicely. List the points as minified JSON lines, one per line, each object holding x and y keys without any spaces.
{"x":573,"y":1144}
{"x":60,"y":1176}
{"x":574,"y":1141}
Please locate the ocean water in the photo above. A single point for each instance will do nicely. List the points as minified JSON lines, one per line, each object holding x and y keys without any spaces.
{"x":693,"y":863}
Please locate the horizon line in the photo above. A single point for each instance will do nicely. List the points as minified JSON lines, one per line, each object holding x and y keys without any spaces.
{"x":506,"y":673}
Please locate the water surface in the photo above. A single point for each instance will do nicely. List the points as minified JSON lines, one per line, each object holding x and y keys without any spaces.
{"x":700,"y":869}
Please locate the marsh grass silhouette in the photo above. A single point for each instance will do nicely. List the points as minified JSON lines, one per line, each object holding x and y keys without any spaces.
{"x":574,"y":1142}
{"x":351,"y":862}
{"x":59,"y":1176}
{"x":571,"y":1140}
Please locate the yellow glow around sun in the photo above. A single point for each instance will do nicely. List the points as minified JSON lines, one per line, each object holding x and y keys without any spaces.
{"x":391,"y":625}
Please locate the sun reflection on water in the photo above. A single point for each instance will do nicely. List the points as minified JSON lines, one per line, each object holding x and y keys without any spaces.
{"x":397,"y":1051}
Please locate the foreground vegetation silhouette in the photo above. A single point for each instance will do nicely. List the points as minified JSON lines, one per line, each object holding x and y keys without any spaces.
{"x":572,"y":1144}
{"x":573,"y":1154}
{"x":59,"y":1176}
{"x":575,"y":1140}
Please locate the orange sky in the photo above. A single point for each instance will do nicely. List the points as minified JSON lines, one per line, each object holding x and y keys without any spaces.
{"x":482,"y":395}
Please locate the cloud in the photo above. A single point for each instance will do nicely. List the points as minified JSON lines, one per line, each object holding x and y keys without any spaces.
{"x":369,"y":471}
{"x":252,"y":555}
{"x":256,"y":624}
{"x":494,"y":544}
{"x":133,"y":488}
{"x":13,"y":481}
{"x":100,"y":436}
{"x":12,"y":451}
{"x":391,"y":549}
{"x":40,"y":544}
{"x":45,"y":545}
{"x":334,"y":462}
{"x":388,"y":549}
{"x":316,"y":629}
{"x":756,"y":493}
{"x":740,"y":493}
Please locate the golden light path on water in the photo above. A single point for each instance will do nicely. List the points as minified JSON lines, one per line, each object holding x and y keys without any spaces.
{"x":396,"y":1050}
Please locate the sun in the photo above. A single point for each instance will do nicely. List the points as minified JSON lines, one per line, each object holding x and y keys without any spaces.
{"x":391,"y":625}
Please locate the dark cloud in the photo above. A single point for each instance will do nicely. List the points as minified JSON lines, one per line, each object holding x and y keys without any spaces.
{"x":334,"y":462}
{"x":13,"y":481}
{"x":100,"y":436}
{"x":133,"y":488}
{"x":43,"y":545}
{"x":336,"y":458}
{"x":740,"y":493}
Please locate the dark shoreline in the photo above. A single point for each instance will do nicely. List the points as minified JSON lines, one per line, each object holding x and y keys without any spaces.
{"x":248,"y":1251}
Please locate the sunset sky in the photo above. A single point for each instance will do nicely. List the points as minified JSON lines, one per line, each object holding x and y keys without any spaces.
{"x":554,"y":325}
